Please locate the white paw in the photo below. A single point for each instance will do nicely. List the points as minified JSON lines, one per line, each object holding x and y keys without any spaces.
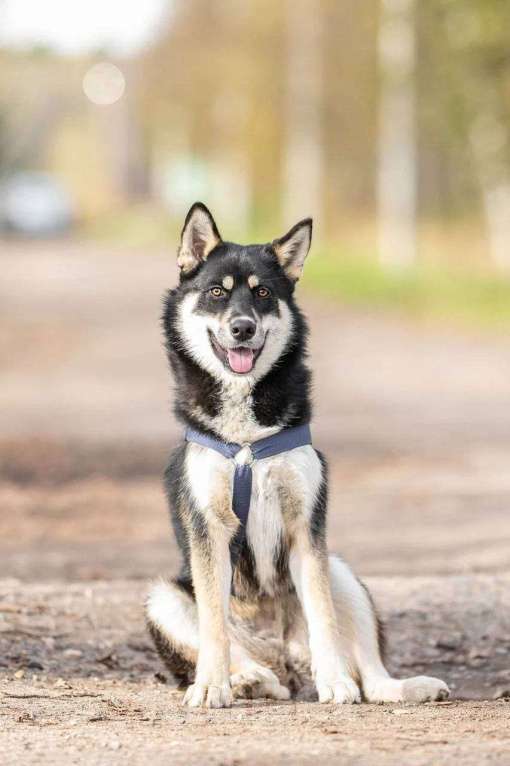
{"x":343,"y":691}
{"x":256,"y":682}
{"x":424,"y":689}
{"x":207,"y":695}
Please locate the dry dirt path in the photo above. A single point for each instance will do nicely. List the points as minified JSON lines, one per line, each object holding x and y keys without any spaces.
{"x":80,"y":684}
{"x":416,"y":423}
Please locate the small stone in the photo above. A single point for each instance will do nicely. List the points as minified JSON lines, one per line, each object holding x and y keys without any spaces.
{"x":476,"y":653}
{"x":73,"y":653}
{"x":19,"y":674}
{"x":502,"y":693}
{"x":61,"y":684}
{"x":25,"y":717}
{"x":449,"y":642}
{"x":35,"y":665}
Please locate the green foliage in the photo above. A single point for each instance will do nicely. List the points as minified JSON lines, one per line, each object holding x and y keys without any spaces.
{"x":463,"y":99}
{"x":429,"y":293}
{"x":345,"y":277}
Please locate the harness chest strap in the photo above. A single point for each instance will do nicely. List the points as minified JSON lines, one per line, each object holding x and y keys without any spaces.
{"x":283,"y":441}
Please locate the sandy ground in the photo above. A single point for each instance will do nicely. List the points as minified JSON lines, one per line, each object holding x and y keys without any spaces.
{"x":89,"y":689}
{"x":416,"y":423}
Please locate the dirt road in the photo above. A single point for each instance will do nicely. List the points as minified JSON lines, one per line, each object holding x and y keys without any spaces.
{"x":82,"y":685}
{"x":416,"y":423}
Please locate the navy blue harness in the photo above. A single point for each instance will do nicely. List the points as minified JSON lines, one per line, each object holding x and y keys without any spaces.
{"x":283,"y":441}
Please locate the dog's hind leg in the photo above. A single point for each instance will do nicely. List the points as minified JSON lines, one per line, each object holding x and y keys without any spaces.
{"x":172,"y":620}
{"x":359,"y":624}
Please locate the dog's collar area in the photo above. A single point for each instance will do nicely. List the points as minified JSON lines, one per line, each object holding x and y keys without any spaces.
{"x":244,"y":455}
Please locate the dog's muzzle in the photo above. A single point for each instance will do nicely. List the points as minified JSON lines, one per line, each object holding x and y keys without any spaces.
{"x":242,"y":329}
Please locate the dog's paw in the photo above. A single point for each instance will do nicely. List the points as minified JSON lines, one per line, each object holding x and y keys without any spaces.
{"x":257,"y":682}
{"x":207,"y":695}
{"x":342,"y":691}
{"x":424,"y":689}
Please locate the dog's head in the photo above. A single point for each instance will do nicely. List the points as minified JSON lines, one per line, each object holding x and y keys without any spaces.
{"x":235,"y":311}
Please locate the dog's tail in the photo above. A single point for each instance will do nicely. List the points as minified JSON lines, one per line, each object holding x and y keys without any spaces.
{"x":172,"y":621}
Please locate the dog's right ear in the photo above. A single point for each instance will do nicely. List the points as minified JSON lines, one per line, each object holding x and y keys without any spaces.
{"x":292,"y":249}
{"x":199,"y":237}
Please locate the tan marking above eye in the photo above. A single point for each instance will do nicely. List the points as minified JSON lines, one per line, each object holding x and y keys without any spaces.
{"x":228,"y":282}
{"x":253,"y":281}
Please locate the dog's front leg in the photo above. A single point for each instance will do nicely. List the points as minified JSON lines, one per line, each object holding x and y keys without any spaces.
{"x":310,"y":573}
{"x":211,"y":572}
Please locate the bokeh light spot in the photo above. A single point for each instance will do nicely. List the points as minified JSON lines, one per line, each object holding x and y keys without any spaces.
{"x":104,"y":84}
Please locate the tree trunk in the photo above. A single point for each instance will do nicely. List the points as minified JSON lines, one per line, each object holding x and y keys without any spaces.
{"x":396,"y":171}
{"x":303,"y":155}
{"x":488,"y":138}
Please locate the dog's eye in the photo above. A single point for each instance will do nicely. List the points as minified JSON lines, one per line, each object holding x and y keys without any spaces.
{"x":217,"y":292}
{"x":263,"y":292}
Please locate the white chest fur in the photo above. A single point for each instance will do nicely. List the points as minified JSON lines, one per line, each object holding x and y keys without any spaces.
{"x":236,"y":421}
{"x":300,"y":468}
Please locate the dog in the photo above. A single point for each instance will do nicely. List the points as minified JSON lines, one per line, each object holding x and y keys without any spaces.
{"x":259,"y":609}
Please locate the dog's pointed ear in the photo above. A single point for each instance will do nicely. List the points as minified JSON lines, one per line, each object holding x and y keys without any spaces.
{"x":199,"y":237}
{"x":292,"y":249}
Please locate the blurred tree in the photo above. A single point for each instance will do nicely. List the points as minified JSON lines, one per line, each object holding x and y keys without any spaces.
{"x":465,"y":111}
{"x":217,"y":90}
{"x":217,"y":85}
{"x":210,"y":86}
{"x":28,"y":111}
{"x":396,"y":171}
{"x":303,"y":180}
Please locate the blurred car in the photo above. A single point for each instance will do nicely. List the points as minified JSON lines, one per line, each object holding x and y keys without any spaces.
{"x":34,"y":205}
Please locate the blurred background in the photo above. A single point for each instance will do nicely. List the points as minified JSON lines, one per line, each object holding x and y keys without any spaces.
{"x":388,"y":121}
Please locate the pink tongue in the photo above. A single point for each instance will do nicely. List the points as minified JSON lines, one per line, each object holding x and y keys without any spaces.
{"x":240,"y":359}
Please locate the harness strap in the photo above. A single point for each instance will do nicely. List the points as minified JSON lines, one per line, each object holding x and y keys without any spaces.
{"x":283,"y":441}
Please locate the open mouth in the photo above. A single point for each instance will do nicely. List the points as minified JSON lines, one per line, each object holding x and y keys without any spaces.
{"x":239,"y":360}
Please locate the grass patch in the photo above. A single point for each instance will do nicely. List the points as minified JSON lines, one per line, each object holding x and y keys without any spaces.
{"x":425,"y":292}
{"x":429,"y":292}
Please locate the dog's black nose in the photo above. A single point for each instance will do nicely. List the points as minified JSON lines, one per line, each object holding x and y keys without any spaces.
{"x":243,"y":328}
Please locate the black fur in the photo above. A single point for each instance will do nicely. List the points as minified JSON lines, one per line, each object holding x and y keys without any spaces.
{"x":282,"y":396}
{"x":225,"y":276}
{"x":180,"y":667}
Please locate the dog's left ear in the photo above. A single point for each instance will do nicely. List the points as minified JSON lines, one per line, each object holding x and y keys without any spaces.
{"x":292,"y":249}
{"x":199,"y":237}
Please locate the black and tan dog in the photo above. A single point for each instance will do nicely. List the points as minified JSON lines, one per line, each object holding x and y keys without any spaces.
{"x":261,"y":611}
